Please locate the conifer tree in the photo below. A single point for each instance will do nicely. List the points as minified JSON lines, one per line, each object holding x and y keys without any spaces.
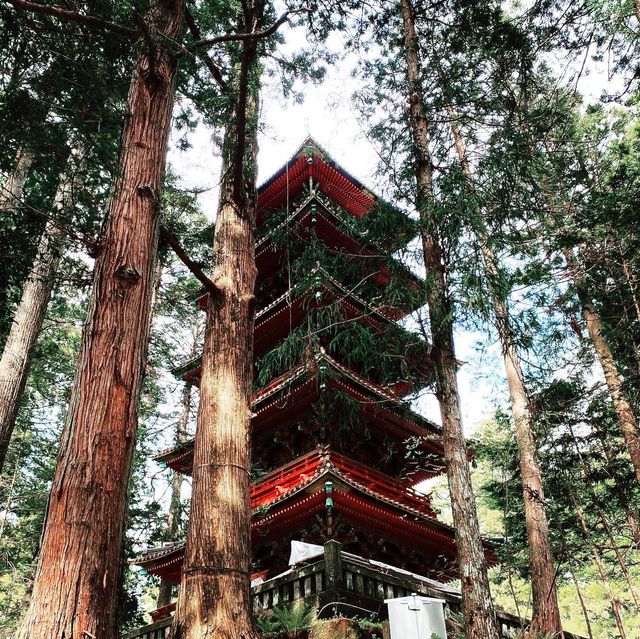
{"x":545,"y":615}
{"x":27,"y":321}
{"x":75,"y":589}
{"x":215,"y":598}
{"x":479,"y":614}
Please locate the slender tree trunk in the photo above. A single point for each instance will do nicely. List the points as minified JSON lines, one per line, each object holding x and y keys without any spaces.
{"x":631,"y":285}
{"x":12,"y":189}
{"x":175,"y":505}
{"x":615,"y":604}
{"x":479,"y":614}
{"x":76,"y":583}
{"x":215,"y":593}
{"x":622,"y":406}
{"x":27,"y":321}
{"x":546,"y":614}
{"x":585,"y":612}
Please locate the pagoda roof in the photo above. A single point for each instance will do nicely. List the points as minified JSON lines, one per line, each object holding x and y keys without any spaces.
{"x":380,"y":407}
{"x":311,"y":161}
{"x":313,"y":215}
{"x":313,"y":212}
{"x":287,"y":497}
{"x":286,"y":480}
{"x":276,"y":320}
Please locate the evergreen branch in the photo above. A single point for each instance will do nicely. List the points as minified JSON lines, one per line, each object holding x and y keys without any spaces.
{"x":194,"y":267}
{"x":205,"y":57}
{"x":253,"y":35}
{"x":78,"y":18}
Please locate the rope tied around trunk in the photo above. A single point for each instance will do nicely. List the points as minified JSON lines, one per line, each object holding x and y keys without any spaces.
{"x":216,"y":570}
{"x":217,"y":465}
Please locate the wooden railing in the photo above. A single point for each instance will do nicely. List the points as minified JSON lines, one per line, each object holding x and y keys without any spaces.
{"x":157,"y":630}
{"x":341,"y":583}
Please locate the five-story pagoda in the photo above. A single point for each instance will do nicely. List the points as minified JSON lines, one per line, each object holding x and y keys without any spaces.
{"x":331,"y":427}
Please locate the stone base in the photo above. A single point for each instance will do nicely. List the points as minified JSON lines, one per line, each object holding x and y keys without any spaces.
{"x":336,"y":629}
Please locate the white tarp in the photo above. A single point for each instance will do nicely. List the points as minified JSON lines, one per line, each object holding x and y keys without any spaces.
{"x":301,"y":551}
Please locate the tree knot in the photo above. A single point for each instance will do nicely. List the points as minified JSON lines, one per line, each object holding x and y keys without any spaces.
{"x":128,"y":274}
{"x":146,"y":190}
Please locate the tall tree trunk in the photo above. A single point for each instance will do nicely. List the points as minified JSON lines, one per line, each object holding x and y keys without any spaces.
{"x":27,"y":321}
{"x":175,"y":507}
{"x":631,"y":284}
{"x":12,"y":189}
{"x":613,"y":379}
{"x":546,"y":614}
{"x":76,"y":583}
{"x":215,"y":593}
{"x":615,"y":604}
{"x":479,"y":614}
{"x":585,"y":612}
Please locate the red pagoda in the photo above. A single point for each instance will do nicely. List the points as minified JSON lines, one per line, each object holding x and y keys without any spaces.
{"x":337,"y":451}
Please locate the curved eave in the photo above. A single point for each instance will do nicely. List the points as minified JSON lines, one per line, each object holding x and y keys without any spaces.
{"x":311,"y":162}
{"x":381,"y":406}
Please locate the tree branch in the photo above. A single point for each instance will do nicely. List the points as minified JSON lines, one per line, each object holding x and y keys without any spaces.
{"x":264,"y":33}
{"x":78,"y":18}
{"x":205,"y":57}
{"x":194,"y":267}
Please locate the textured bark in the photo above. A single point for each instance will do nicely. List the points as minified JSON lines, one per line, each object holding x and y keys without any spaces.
{"x":175,"y":506}
{"x":615,"y":604}
{"x":215,"y":593}
{"x":622,"y":406}
{"x":545,"y":611}
{"x":13,"y":187}
{"x":479,"y":614}
{"x":76,"y":583}
{"x":27,"y":321}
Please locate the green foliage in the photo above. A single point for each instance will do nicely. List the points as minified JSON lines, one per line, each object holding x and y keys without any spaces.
{"x":293,"y":619}
{"x":573,"y":425}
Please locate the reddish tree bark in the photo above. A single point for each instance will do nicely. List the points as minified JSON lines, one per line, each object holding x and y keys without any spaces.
{"x":76,"y":582}
{"x":215,"y":593}
{"x":479,"y":613}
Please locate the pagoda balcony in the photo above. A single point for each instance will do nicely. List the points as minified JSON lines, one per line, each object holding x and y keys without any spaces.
{"x":337,"y":582}
{"x":278,"y":483}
